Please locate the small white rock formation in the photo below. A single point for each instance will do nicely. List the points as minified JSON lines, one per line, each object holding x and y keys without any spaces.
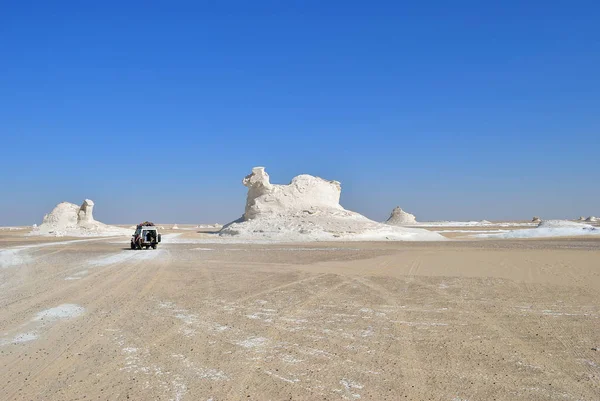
{"x":308,"y":209}
{"x":209,"y":226}
{"x":591,"y":219}
{"x":68,"y":219}
{"x":536,"y":219}
{"x":546,"y":229}
{"x":401,"y":218}
{"x":561,"y":223}
{"x":175,"y":227}
{"x":581,"y":218}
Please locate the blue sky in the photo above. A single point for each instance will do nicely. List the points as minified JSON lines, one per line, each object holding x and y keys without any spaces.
{"x":452,"y":110}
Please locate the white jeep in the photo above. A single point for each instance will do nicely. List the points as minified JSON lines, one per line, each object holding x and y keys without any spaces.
{"x":146,"y":235}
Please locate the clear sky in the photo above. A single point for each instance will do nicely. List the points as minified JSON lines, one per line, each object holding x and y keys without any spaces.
{"x":157,"y":110}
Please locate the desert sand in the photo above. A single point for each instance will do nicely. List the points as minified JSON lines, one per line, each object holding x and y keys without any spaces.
{"x":290,"y":302}
{"x":205,"y":319}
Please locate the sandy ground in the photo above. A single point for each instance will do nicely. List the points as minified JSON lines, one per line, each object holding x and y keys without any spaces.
{"x":460,"y":320}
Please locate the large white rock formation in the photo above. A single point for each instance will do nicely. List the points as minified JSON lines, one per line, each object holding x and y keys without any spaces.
{"x":64,"y":215}
{"x":401,"y":218}
{"x":307,"y":209}
{"x":303,"y":194}
{"x":68,"y":219}
{"x":591,"y":219}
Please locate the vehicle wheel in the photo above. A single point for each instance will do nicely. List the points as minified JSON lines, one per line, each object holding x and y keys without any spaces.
{"x":147,"y":247}
{"x":132,"y":245}
{"x":154,"y":246}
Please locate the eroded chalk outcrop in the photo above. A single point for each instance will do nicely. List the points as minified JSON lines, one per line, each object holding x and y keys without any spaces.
{"x":304,"y":194}
{"x":399,"y":217}
{"x":68,"y":219}
{"x":85,"y":215}
{"x":307,"y":209}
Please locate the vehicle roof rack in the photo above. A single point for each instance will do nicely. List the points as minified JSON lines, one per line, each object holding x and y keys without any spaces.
{"x":146,"y":224}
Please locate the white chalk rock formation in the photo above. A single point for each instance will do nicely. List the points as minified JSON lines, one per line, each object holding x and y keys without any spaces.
{"x":591,"y":219}
{"x":68,"y":219}
{"x":85,"y":216}
{"x":536,"y":219}
{"x":548,"y":228}
{"x":401,"y":218}
{"x":581,"y":218}
{"x":561,"y":223}
{"x":175,"y":227}
{"x":210,"y":226}
{"x":307,"y":209}
{"x":304,"y":193}
{"x":63,"y":216}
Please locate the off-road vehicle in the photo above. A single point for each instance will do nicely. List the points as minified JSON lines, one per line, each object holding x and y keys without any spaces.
{"x":146,"y":235}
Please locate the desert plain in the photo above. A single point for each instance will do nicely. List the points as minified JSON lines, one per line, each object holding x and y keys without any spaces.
{"x":208,"y":319}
